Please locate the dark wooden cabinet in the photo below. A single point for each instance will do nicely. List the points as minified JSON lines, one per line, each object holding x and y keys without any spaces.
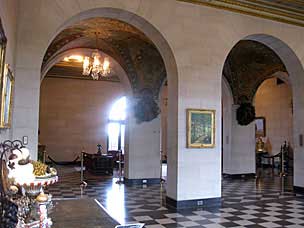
{"x":98,"y":164}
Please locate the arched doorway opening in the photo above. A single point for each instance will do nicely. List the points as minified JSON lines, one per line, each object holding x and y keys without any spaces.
{"x":274,"y":125}
{"x":269,"y":57}
{"x":74,"y":109}
{"x":146,"y":59}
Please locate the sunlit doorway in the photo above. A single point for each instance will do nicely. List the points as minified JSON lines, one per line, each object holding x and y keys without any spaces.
{"x":117,"y":125}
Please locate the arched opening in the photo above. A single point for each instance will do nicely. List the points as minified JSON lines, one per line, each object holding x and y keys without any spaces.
{"x":260,"y":59}
{"x":274,"y":126}
{"x":117,"y":125}
{"x":144,"y":61}
{"x":74,"y":109}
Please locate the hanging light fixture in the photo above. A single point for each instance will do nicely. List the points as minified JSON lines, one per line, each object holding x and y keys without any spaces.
{"x":96,"y":66}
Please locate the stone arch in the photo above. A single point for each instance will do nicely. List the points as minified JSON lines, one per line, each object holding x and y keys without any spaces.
{"x":280,"y":75}
{"x":279,"y":118}
{"x":296,"y":81}
{"x":138,"y":22}
{"x":286,"y":54}
{"x":150,"y":31}
{"x":169,"y":61}
{"x":296,"y":74}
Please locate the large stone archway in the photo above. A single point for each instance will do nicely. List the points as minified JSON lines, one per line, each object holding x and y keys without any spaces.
{"x":295,"y":80}
{"x":142,"y":140}
{"x":295,"y":71}
{"x":196,"y":50}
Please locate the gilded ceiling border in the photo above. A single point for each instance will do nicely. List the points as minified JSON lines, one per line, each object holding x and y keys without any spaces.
{"x":254,"y":8}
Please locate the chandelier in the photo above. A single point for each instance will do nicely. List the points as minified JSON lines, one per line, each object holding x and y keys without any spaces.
{"x":96,"y":66}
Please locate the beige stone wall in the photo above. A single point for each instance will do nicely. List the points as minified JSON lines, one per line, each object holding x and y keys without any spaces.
{"x":74,"y":115}
{"x":274,"y":102}
{"x":8,"y":10}
{"x":200,"y":39}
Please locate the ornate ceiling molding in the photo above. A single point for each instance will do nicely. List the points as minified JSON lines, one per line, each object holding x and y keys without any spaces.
{"x":287,"y":11}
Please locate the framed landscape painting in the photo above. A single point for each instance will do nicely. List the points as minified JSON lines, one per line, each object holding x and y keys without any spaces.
{"x":200,"y":128}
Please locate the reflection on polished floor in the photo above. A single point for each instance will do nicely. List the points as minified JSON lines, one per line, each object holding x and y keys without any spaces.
{"x":267,"y":201}
{"x":80,"y":213}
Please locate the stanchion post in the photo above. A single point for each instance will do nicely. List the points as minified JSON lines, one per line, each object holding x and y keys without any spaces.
{"x":120,"y":181}
{"x":82,"y":182}
{"x":161,"y":167}
{"x":120,"y":168}
{"x":282,"y":174}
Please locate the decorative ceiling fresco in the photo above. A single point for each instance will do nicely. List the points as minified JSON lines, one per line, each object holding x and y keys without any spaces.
{"x":131,"y":49}
{"x":136,"y":53}
{"x":286,"y":11}
{"x":248,"y":64}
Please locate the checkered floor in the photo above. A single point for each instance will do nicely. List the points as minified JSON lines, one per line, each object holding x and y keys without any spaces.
{"x":261,"y":202}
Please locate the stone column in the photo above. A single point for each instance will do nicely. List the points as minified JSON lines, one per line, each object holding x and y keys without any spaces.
{"x":26,"y":107}
{"x":142,"y":158}
{"x":242,"y":158}
{"x":194,"y":174}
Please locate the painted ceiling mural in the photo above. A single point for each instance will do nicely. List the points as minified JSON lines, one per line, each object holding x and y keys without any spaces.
{"x":127,"y":45}
{"x":248,"y":64}
{"x":133,"y":51}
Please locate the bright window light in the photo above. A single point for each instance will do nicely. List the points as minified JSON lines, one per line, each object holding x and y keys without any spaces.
{"x":116,"y":126}
{"x":118,"y":111}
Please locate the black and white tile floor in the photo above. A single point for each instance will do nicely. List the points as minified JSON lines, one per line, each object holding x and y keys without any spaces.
{"x":264,"y":202}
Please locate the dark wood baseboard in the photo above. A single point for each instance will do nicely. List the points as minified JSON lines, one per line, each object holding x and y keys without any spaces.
{"x":142,"y":181}
{"x":298,"y":189}
{"x":197,"y":203}
{"x":240,"y":176}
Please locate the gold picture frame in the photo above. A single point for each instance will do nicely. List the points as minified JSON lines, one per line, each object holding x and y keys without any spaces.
{"x":3,"y":42}
{"x":200,"y":128}
{"x":2,"y":57}
{"x":260,"y":127}
{"x":7,"y":97}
